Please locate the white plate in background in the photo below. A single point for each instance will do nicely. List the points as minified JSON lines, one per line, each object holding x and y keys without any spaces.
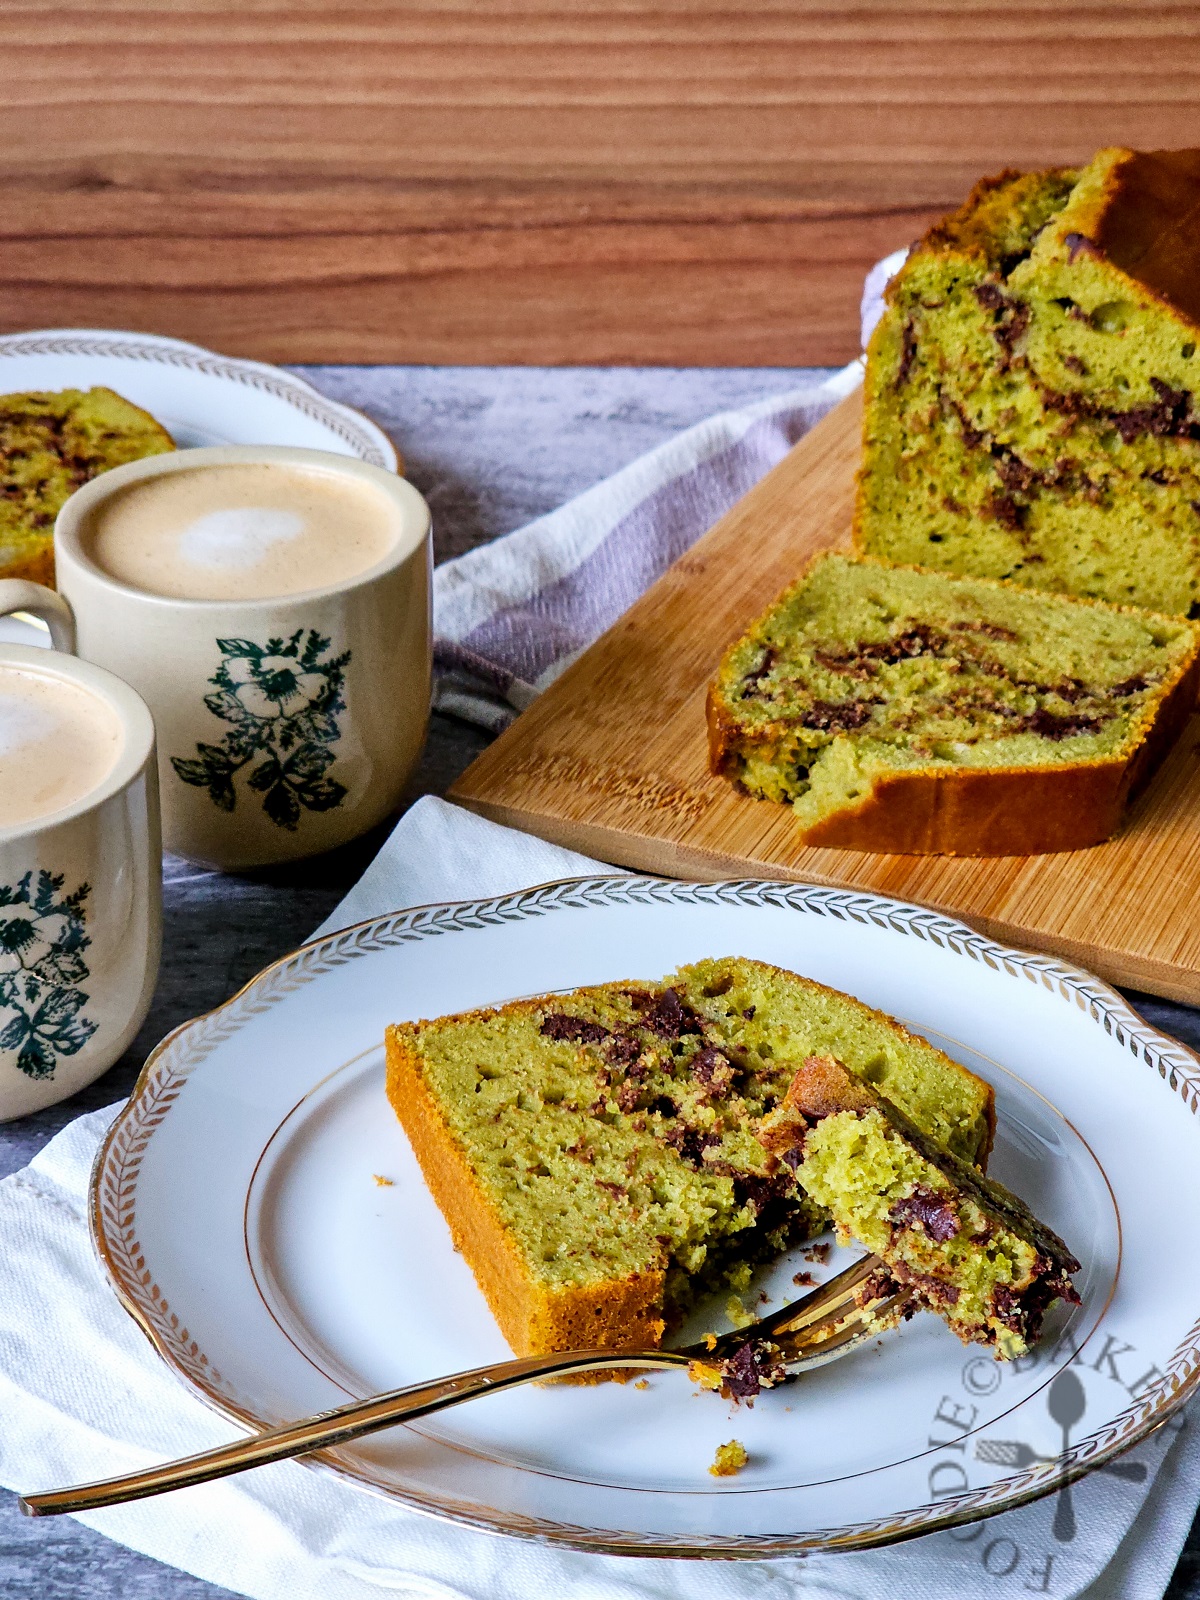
{"x":199,"y":397}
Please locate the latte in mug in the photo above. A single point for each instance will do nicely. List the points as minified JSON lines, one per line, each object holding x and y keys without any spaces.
{"x":80,"y":865}
{"x":242,"y":532}
{"x":272,"y":605}
{"x":58,"y":743}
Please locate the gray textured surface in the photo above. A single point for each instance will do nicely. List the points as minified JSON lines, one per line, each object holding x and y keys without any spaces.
{"x":490,"y":449}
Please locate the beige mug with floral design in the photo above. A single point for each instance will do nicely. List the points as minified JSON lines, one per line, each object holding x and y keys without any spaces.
{"x":272,"y":606}
{"x":80,"y":867}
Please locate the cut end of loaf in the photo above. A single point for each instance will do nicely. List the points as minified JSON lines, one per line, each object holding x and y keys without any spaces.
{"x":897,"y":709}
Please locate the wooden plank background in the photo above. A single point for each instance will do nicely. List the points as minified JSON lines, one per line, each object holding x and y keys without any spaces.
{"x":640,"y":181}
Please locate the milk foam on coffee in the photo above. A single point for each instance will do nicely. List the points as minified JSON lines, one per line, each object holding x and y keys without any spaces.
{"x":242,"y":532}
{"x":57,"y":744}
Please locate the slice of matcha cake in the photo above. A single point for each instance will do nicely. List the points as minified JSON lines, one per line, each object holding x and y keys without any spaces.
{"x":595,"y":1153}
{"x":50,"y":445}
{"x":962,"y":1244}
{"x":1031,"y":406}
{"x":905,"y":710}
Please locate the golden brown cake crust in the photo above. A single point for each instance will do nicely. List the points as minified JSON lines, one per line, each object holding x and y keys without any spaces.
{"x":37,"y":567}
{"x":1145,"y":218}
{"x":970,"y":228}
{"x":1146,"y":221}
{"x":623,"y":1315}
{"x":821,"y":1088}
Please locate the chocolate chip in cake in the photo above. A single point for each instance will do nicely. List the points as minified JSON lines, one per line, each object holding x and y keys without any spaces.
{"x":836,"y":716}
{"x":935,"y":1213}
{"x":690,"y":1143}
{"x":908,"y":354}
{"x":713,"y":1071}
{"x":1049,"y":725}
{"x":622,"y":1049}
{"x":753,"y":1367}
{"x":576,"y":1030}
{"x":666,"y":1014}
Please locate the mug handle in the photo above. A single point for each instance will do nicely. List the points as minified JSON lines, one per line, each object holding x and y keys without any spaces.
{"x":19,"y":594}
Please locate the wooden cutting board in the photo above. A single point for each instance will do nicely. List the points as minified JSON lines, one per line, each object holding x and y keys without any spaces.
{"x":612,"y":761}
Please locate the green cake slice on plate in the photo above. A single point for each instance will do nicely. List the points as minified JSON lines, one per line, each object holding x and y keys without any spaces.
{"x":596,"y":1156}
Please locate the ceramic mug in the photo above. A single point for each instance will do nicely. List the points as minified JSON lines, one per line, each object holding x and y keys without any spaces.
{"x":80,"y":907}
{"x":246,"y":779}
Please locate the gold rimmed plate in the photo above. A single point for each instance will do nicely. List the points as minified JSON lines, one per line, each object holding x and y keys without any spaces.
{"x":263,"y":1218}
{"x":200,"y":397}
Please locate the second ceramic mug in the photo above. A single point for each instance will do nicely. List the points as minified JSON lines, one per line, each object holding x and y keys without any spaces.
{"x":80,"y":902}
{"x":285,"y":726}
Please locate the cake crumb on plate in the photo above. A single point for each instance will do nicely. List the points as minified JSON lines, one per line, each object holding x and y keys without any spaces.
{"x":737,"y":1312}
{"x":729,"y":1459}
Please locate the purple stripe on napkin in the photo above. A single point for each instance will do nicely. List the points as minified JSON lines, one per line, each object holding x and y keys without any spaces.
{"x":449,"y":657}
{"x":527,"y":638}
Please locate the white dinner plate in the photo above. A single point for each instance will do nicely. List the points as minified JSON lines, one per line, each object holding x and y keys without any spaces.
{"x":238,"y":1207}
{"x":199,"y":397}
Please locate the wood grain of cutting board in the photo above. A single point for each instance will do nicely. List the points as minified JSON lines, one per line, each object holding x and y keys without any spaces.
{"x":612,"y":761}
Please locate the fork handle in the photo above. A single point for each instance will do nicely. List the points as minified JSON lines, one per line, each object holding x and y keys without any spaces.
{"x":332,"y":1428}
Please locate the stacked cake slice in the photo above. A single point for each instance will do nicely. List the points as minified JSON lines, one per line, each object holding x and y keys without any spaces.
{"x":1030,"y":416}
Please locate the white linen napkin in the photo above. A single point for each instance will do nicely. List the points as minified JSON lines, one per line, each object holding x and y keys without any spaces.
{"x":83,"y":1395}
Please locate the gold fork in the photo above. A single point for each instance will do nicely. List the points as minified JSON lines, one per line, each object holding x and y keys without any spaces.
{"x":833,"y":1319}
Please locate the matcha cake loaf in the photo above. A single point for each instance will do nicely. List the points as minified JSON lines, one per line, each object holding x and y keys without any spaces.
{"x":1031,"y":407}
{"x":50,"y":445}
{"x":905,"y":710}
{"x":595,"y":1153}
{"x":961,"y":1243}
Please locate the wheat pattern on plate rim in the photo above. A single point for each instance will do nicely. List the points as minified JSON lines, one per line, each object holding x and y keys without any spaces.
{"x":119,"y":1158}
{"x":300,"y":396}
